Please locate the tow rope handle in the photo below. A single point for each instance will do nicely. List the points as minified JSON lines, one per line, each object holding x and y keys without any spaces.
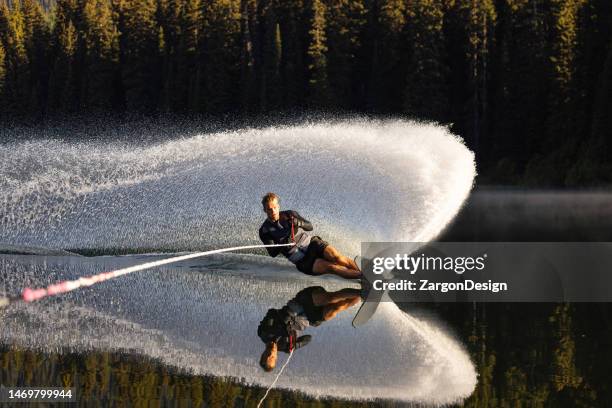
{"x":292,"y":231}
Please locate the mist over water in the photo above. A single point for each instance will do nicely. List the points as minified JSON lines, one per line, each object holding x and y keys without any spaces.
{"x":356,"y":180}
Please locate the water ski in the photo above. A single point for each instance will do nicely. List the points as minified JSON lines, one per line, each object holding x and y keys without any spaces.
{"x":371,"y":298}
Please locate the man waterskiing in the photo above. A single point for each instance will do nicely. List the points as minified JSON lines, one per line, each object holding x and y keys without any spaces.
{"x":310,"y":254}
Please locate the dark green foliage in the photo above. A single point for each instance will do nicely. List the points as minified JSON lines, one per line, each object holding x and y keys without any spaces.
{"x":318,"y":86}
{"x":63,"y":84}
{"x":470,"y":29}
{"x":346,"y":22}
{"x":525,"y":82}
{"x":16,"y":60}
{"x":2,"y":74}
{"x":36,"y":42}
{"x":294,"y":25}
{"x":388,"y":50}
{"x":221,"y":55}
{"x":247,"y":59}
{"x":268,"y":58}
{"x":138,"y":53}
{"x":426,"y":94}
{"x":99,"y":55}
{"x":2,"y":67}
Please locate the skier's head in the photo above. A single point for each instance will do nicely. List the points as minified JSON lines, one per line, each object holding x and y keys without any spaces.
{"x":269,"y":356}
{"x":271,"y":206}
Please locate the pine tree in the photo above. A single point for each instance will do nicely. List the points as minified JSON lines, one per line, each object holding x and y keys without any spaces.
{"x":471,"y":35}
{"x":65,"y":95}
{"x":519,"y":87}
{"x":346,"y":23}
{"x":275,"y":67}
{"x":388,"y":50}
{"x":248,"y":83}
{"x":318,"y":86}
{"x":294,"y":23}
{"x":138,"y":56}
{"x":270,"y":80}
{"x":169,"y":14}
{"x":17,"y":76}
{"x":2,"y":75}
{"x":63,"y":83}
{"x":426,"y":93}
{"x":3,"y":28}
{"x":601,"y":131}
{"x":270,"y":57}
{"x":221,"y":55}
{"x":36,"y":40}
{"x":100,"y":55}
{"x":557,"y":144}
{"x":593,"y":166}
{"x":588,"y":63}
{"x":189,"y":75}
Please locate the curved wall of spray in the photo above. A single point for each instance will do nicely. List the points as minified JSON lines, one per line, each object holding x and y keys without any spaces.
{"x":356,"y":180}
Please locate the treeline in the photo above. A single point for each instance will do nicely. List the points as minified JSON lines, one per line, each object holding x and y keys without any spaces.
{"x":527,"y":83}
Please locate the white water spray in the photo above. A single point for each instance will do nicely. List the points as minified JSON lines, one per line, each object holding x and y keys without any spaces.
{"x":357,"y":180}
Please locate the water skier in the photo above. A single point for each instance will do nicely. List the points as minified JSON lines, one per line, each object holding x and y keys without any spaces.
{"x":310,"y":254}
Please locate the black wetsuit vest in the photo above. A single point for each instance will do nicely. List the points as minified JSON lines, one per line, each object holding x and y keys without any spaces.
{"x":285,"y":326}
{"x":280,"y":233}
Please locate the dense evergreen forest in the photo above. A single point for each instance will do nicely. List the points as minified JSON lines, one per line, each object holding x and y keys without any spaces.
{"x":527,"y":83}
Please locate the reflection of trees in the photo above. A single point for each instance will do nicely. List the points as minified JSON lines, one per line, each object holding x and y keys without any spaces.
{"x":117,"y":379}
{"x":537,"y":355}
{"x":564,"y":368}
{"x":527,"y":355}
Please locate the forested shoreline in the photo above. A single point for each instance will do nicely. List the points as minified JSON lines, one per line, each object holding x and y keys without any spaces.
{"x":526,"y":83}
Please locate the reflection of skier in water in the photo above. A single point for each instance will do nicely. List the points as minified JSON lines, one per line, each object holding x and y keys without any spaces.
{"x":281,"y":329}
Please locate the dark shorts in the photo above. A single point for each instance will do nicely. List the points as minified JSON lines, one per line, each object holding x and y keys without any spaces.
{"x":314,"y":314}
{"x":314,"y":251}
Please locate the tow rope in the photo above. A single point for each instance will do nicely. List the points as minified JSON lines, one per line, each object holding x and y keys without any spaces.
{"x":30,"y":295}
{"x":275,"y":380}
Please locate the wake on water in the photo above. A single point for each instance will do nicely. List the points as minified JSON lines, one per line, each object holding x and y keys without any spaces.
{"x":358,"y":180}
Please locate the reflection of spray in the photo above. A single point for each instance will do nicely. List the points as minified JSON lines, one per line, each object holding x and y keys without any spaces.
{"x":357,"y":180}
{"x":200,"y":317}
{"x":444,"y":346}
